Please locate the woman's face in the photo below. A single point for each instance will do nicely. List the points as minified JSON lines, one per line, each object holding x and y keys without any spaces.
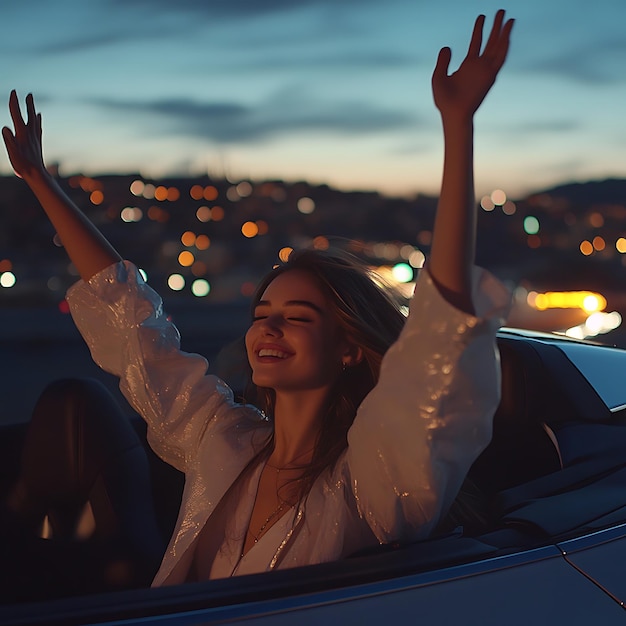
{"x":294,"y":343}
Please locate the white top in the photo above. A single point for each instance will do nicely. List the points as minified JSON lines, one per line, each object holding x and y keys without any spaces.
{"x":412,"y":442}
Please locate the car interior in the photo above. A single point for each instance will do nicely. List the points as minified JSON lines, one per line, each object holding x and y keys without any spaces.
{"x":98,"y":523}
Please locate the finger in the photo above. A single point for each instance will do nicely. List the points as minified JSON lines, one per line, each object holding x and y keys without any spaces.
{"x":477,"y":37}
{"x":503,"y":45}
{"x":494,"y":35}
{"x":30,"y":110}
{"x":7,"y":135}
{"x":16,"y":113}
{"x":9,"y":142}
{"x":443,"y":63}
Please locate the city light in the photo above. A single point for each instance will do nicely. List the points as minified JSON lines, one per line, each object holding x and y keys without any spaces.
{"x":586,"y":247}
{"x":306,"y":205}
{"x":249,"y":229}
{"x":200,"y":287}
{"x":203,"y":214}
{"x":188,"y":238}
{"x":283,"y":254}
{"x":487,"y":203}
{"x":131,"y":214}
{"x":498,"y":197}
{"x":587,"y":301}
{"x":321,"y":243}
{"x":417,"y":259}
{"x":7,"y":279}
{"x":531,"y":225}
{"x":202,"y":242}
{"x":244,"y":189}
{"x":596,"y":324}
{"x":186,"y":258}
{"x":176,"y":282}
{"x":509,"y":208}
{"x":96,"y":197}
{"x":402,"y":272}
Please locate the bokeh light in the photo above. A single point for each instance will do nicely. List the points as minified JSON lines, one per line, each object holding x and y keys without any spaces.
{"x":306,"y":205}
{"x":176,"y":282}
{"x":531,"y":225}
{"x":249,"y":229}
{"x":200,"y":287}
{"x":7,"y":279}
{"x":402,"y":272}
{"x":283,"y":254}
{"x":586,"y":247}
{"x":186,"y":258}
{"x":498,"y":197}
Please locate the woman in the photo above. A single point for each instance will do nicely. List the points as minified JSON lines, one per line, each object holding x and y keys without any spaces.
{"x":348,"y":456}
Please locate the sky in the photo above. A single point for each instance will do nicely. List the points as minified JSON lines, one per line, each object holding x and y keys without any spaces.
{"x":328,"y":91}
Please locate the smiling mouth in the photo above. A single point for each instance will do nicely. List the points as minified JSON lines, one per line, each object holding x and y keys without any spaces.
{"x":278,"y":354}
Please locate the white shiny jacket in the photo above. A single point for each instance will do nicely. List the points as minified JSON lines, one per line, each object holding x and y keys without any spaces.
{"x":411,"y":444}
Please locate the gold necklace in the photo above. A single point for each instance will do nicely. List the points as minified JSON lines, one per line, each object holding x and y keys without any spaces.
{"x":264,"y":525}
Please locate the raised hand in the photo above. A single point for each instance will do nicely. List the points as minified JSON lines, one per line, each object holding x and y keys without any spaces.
{"x":461,"y":93}
{"x":458,"y":96}
{"x":24,"y":146}
{"x":85,"y":245}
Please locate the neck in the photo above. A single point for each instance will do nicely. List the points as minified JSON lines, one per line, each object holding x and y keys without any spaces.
{"x":297,"y":419}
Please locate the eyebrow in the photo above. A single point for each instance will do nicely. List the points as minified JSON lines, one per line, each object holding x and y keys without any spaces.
{"x":305,"y":303}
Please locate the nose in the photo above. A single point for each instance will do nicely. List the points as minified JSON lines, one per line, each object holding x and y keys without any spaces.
{"x":271,"y":326}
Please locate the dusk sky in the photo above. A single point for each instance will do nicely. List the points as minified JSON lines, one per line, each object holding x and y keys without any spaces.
{"x":329,"y":91}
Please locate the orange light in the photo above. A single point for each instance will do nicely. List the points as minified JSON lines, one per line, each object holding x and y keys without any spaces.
{"x":160,"y":193}
{"x":321,"y":243}
{"x":96,"y":197}
{"x":197,"y":192}
{"x":188,"y":238}
{"x":186,"y":259}
{"x":284,"y":253}
{"x":202,"y":242}
{"x":586,"y":248}
{"x":217,"y":213}
{"x":250,"y":229}
{"x":199,"y":268}
{"x":210,"y":193}
{"x":534,"y":241}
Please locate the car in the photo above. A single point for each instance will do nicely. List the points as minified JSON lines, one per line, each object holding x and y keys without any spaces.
{"x":547,"y":546}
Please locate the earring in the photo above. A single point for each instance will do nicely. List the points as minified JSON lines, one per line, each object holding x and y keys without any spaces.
{"x":344,"y":366}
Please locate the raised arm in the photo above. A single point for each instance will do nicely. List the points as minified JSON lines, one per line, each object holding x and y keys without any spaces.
{"x":458,"y":96}
{"x":86,"y":246}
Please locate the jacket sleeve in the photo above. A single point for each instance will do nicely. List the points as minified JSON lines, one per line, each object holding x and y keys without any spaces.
{"x":122,"y":321}
{"x":417,"y":433}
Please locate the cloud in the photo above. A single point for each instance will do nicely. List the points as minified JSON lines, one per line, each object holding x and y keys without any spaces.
{"x":600,"y":62}
{"x":327,"y":62}
{"x":217,"y":9}
{"x":233,"y":122}
{"x":86,"y":42}
{"x":545,"y":126}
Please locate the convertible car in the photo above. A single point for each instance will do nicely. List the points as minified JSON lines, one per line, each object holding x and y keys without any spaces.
{"x":541,"y":538}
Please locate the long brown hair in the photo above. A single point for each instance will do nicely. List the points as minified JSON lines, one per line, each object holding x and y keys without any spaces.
{"x":369,"y":317}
